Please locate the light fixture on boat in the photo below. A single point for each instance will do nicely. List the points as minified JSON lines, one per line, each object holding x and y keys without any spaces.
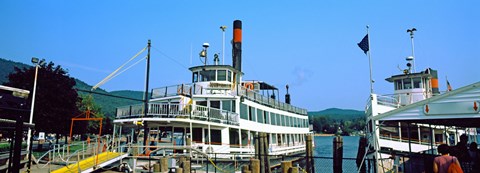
{"x":203,"y":53}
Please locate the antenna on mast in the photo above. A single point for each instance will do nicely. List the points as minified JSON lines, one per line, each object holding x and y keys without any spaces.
{"x":411,"y":31}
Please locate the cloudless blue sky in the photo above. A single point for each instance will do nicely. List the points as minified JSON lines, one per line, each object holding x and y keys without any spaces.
{"x":310,"y":45}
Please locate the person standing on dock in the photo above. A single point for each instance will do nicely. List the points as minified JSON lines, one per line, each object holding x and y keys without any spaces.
{"x":442,"y":163}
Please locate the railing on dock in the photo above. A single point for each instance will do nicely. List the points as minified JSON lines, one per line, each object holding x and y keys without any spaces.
{"x":194,"y":89}
{"x":166,"y":110}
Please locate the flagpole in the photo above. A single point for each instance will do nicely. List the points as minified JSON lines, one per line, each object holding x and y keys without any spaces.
{"x":370,"y":62}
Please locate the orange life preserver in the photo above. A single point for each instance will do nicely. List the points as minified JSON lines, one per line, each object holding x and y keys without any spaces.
{"x":249,"y":86}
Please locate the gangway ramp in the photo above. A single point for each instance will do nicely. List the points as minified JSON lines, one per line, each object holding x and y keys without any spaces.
{"x":91,"y":163}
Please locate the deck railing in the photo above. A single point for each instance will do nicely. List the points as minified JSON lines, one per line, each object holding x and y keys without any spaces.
{"x":165,"y":110}
{"x":194,"y":89}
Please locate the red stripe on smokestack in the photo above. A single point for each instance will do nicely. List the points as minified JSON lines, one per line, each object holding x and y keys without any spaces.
{"x":237,"y":35}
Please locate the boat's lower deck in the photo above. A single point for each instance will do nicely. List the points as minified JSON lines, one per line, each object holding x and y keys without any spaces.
{"x":208,"y":137}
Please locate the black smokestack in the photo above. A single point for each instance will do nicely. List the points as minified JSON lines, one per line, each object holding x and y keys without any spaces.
{"x":237,"y":45}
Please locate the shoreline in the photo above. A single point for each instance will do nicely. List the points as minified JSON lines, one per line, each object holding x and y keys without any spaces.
{"x":323,"y":134}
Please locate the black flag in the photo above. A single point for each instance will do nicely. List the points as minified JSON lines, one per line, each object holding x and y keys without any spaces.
{"x":364,"y":44}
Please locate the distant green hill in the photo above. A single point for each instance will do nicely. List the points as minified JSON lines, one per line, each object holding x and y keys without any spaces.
{"x":337,"y":114}
{"x":6,"y":67}
{"x":107,"y":104}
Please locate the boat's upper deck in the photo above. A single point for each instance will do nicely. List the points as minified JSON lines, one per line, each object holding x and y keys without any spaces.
{"x":197,"y":89}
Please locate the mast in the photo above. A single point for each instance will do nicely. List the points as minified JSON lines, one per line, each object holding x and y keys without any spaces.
{"x":145,"y":125}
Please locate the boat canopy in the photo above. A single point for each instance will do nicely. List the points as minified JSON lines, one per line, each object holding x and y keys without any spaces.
{"x":460,"y":108}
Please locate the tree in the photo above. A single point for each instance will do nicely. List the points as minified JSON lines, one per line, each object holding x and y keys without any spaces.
{"x":55,"y":100}
{"x":88,"y":103}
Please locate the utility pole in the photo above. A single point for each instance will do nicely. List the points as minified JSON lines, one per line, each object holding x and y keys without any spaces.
{"x":145,"y":124}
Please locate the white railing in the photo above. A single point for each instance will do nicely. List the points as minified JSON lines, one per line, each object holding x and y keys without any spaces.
{"x":165,"y":110}
{"x":194,"y":89}
{"x":388,"y":100}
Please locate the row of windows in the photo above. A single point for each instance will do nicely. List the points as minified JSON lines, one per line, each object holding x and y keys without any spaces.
{"x":212,"y":75}
{"x":265,"y":117}
{"x":409,"y":83}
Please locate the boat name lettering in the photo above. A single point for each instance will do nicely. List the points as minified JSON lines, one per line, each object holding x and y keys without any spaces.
{"x":219,"y":85}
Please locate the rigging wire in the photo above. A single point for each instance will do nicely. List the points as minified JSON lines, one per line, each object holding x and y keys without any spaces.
{"x":173,"y":59}
{"x":140,"y":60}
{"x":114,"y":72}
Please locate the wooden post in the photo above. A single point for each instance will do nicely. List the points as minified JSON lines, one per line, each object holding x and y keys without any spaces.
{"x":286,"y":166}
{"x":255,"y":165}
{"x":163,"y":164}
{"x":186,"y":166}
{"x":266,"y":154}
{"x":257,"y":146}
{"x":189,"y":145}
{"x":156,"y":167}
{"x":360,"y":154}
{"x":181,"y":160}
{"x":337,"y":154}
{"x":245,"y":168}
{"x":293,"y":170}
{"x":261,"y":153}
{"x":309,"y":153}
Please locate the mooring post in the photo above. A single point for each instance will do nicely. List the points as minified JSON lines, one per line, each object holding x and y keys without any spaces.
{"x":186,"y":166}
{"x":163,"y":164}
{"x":337,"y":154}
{"x":156,"y":167}
{"x":286,"y":166}
{"x":293,"y":170}
{"x":255,"y":165}
{"x":361,"y":154}
{"x":245,"y":169}
{"x":266,"y":152}
{"x":261,"y":152}
{"x":309,"y":152}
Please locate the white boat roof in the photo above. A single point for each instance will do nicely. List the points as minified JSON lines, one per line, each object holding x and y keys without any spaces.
{"x":458,"y":107}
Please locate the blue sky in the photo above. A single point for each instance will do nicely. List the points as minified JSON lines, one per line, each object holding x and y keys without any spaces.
{"x":310,"y":45}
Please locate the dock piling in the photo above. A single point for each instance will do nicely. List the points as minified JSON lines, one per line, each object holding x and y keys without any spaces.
{"x":337,"y":154}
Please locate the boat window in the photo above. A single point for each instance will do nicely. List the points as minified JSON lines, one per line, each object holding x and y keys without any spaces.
{"x":417,"y":82}
{"x":227,"y":105}
{"x":207,"y":75}
{"x":407,"y":83}
{"x":274,"y":138}
{"x":251,"y":114}
{"x":260,"y":116}
{"x":215,"y":104}
{"x":216,"y":136}
{"x":202,"y":103}
{"x":266,"y":117}
{"x":280,"y":120}
{"x":195,"y":77}
{"x":272,"y":117}
{"x":243,"y":111}
{"x":221,"y":75}
{"x":197,"y":135}
{"x":398,"y":85}
{"x":229,"y":77}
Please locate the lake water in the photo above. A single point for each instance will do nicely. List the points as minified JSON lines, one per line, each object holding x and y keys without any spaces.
{"x":323,"y":153}
{"x":324,"y":146}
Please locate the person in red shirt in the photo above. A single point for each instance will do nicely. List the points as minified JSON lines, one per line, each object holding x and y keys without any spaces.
{"x":442,"y":162}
